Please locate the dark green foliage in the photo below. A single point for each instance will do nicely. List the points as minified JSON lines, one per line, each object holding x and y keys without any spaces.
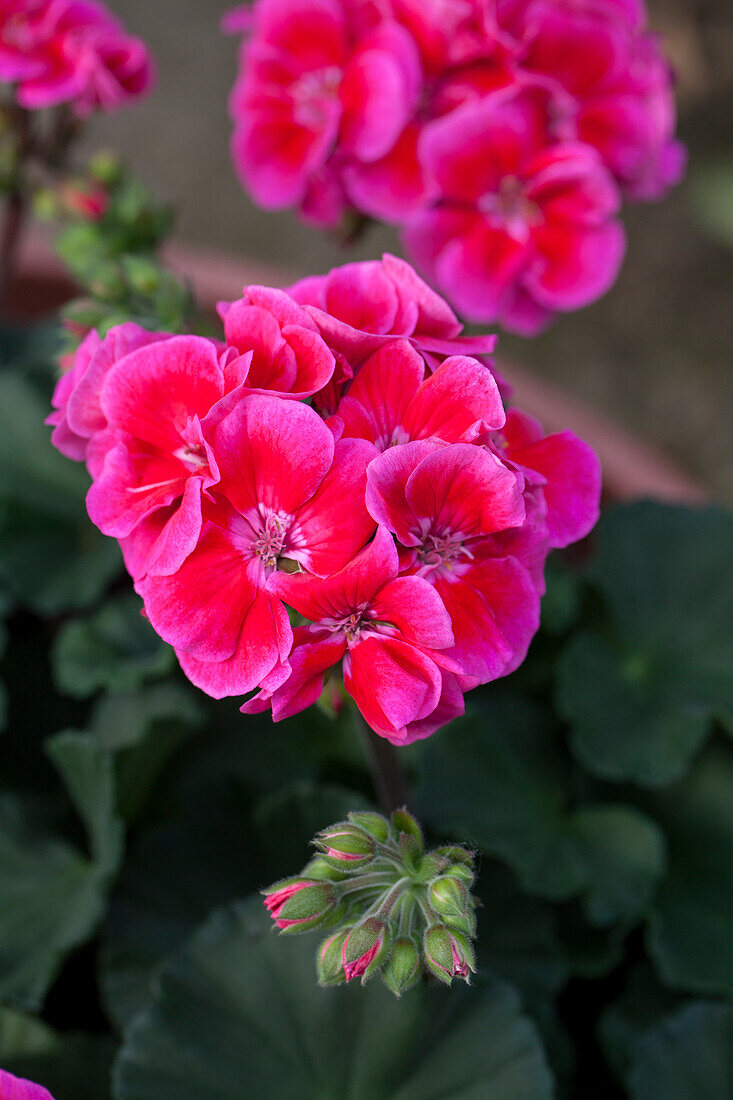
{"x":596,"y":786}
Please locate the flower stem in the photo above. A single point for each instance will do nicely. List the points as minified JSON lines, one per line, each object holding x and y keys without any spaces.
{"x":388,"y":775}
{"x":9,"y":242}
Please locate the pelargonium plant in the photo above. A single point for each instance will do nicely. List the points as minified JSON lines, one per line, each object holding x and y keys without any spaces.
{"x":500,"y":136}
{"x":334,"y":490}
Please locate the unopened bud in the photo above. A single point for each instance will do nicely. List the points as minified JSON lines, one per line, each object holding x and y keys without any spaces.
{"x":372,"y":823}
{"x":448,"y":954}
{"x":346,"y":846}
{"x":402,"y":968}
{"x":317,"y":868}
{"x":406,"y":823}
{"x":329,"y":958}
{"x":449,"y":897}
{"x":411,"y":851}
{"x":144,"y":276}
{"x":364,"y":949}
{"x":297,"y":905}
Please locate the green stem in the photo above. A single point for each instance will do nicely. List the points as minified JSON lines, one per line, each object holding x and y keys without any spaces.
{"x":388,"y":775}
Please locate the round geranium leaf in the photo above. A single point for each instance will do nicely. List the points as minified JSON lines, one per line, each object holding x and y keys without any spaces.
{"x":687,"y":1056}
{"x":238,"y":1008}
{"x":641,"y":690}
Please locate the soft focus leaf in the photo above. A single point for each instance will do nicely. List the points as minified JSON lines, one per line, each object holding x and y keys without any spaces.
{"x":70,"y":1066}
{"x":688,"y":1056}
{"x":711,"y":188}
{"x":116,"y":648}
{"x":238,"y":1009}
{"x":498,"y":779}
{"x":51,"y":898}
{"x":691,"y":924}
{"x":641,"y":694}
{"x":641,"y":1005}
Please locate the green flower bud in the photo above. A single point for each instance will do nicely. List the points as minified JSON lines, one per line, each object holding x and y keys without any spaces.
{"x":317,"y":868}
{"x":143,"y":275}
{"x":365,"y":949}
{"x":346,"y":846}
{"x":411,"y":851}
{"x":297,"y":905}
{"x":402,"y":968}
{"x":374,"y":824}
{"x":403,"y":822}
{"x":329,"y":958}
{"x":449,"y":897}
{"x":448,"y":954}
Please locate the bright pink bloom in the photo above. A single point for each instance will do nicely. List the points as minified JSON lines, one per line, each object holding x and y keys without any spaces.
{"x":14,"y":1088}
{"x":78,"y":416}
{"x":288,"y":355}
{"x":281,"y":496}
{"x":158,"y":460}
{"x":567,"y":469}
{"x":524,"y":229}
{"x":362,"y":306}
{"x":387,"y":630}
{"x":390,"y":401}
{"x":445,"y":504}
{"x":610,"y":84}
{"x":70,"y":51}
{"x":309,"y":90}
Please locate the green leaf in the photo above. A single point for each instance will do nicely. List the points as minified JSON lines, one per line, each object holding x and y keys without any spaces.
{"x":239,"y":1009}
{"x":51,"y":898}
{"x":51,"y":557}
{"x":68,"y":1065}
{"x":116,"y":648}
{"x":641,"y":691}
{"x":711,"y":190}
{"x":688,"y":1056}
{"x":643,"y":1003}
{"x":691,"y":924}
{"x":498,"y":778}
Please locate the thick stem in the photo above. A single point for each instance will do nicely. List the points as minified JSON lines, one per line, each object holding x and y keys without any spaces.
{"x":388,"y":775}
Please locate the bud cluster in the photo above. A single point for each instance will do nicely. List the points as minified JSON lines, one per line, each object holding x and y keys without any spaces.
{"x":390,"y":907}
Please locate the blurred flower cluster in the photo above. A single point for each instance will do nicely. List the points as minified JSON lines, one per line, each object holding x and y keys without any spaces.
{"x":391,"y":908}
{"x":70,"y":52}
{"x":333,"y":489}
{"x":500,"y":135}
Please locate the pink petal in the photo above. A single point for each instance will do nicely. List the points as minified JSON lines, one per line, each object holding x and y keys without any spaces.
{"x":574,"y":266}
{"x":16,"y":1088}
{"x":393,"y":188}
{"x":451,"y":705}
{"x":272,"y":453}
{"x":457,"y":401}
{"x":309,"y":661}
{"x":329,"y":534}
{"x":392,"y":683}
{"x":385,"y":386}
{"x":416,"y":609}
{"x":387,"y":479}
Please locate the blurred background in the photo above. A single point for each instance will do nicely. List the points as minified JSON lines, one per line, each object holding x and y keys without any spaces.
{"x":655,"y":353}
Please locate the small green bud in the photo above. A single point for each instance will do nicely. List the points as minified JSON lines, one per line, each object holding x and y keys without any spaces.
{"x":105,"y":167}
{"x":456,"y":853}
{"x":374,"y":824}
{"x":143,"y":275}
{"x":297,"y":905}
{"x":329,"y":958}
{"x":402,"y":968}
{"x":346,"y":846}
{"x":411,"y":851}
{"x":403,"y":822}
{"x":318,"y":869}
{"x":449,"y":897}
{"x":448,"y":954}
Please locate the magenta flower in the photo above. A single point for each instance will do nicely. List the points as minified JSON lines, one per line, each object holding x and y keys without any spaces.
{"x":158,"y":461}
{"x":390,"y":401}
{"x":14,"y":1088}
{"x":70,"y":51}
{"x":281,"y":496}
{"x":523,"y":229}
{"x":444,"y":504}
{"x":78,"y":417}
{"x":388,"y":631}
{"x":312,"y":90}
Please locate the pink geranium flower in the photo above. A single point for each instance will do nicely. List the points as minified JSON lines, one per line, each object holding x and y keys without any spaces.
{"x":15,"y":1088}
{"x":524,"y":228}
{"x":388,"y":631}
{"x":311,"y":90}
{"x":70,"y":51}
{"x":390,"y":401}
{"x":444,"y":504}
{"x":280,"y":498}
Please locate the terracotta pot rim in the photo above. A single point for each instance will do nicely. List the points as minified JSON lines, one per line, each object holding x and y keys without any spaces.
{"x":632,"y":468}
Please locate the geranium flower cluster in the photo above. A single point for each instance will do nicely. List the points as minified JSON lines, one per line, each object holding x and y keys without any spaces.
{"x":335,"y":489}
{"x":70,"y":51}
{"x":500,"y":135}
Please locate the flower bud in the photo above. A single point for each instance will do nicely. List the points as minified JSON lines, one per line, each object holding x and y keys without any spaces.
{"x":372,"y":823}
{"x":449,"y":897}
{"x":402,"y":968}
{"x":364,"y":949}
{"x":329,"y":959}
{"x":448,"y":954}
{"x":318,"y":869}
{"x":297,"y":905}
{"x":345,"y":846}
{"x":406,"y":823}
